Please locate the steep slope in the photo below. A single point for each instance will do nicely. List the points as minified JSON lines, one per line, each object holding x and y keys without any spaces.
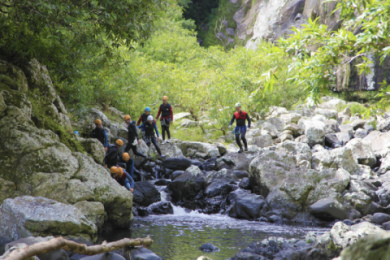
{"x":34,"y":161}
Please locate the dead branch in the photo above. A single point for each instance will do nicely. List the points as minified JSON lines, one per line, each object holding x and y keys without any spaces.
{"x":68,"y":245}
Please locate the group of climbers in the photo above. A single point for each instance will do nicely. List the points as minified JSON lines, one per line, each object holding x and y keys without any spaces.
{"x":122,"y":166}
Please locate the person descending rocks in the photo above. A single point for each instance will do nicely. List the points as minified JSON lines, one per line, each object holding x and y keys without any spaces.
{"x":240,"y":116}
{"x":166,"y":119}
{"x":144,"y":117}
{"x":132,"y":136}
{"x":128,"y":164}
{"x":100,"y":133}
{"x":122,"y":177}
{"x":112,"y":155}
{"x":151,"y":130}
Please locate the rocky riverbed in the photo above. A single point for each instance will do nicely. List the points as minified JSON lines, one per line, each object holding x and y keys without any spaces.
{"x":311,"y":166}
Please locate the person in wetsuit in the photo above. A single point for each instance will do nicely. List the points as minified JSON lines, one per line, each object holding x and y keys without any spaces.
{"x":132,"y":137}
{"x":112,"y":155}
{"x":151,"y":130}
{"x":240,"y":116}
{"x":128,"y":164}
{"x":166,"y":119}
{"x":100,"y":133}
{"x":122,"y":177}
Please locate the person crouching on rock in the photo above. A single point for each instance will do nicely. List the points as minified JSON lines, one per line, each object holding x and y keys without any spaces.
{"x":151,"y":130}
{"x":112,"y":155}
{"x":127,"y":163}
{"x":100,"y":133}
{"x":122,"y":177}
{"x":240,"y":116}
{"x":132,"y":136}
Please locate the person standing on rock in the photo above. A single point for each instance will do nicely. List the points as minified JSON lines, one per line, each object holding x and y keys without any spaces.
{"x":122,"y":177}
{"x":127,"y":163}
{"x":240,"y":116}
{"x":166,"y":119}
{"x":112,"y":155}
{"x":151,"y":130}
{"x":100,"y":133}
{"x":132,"y":136}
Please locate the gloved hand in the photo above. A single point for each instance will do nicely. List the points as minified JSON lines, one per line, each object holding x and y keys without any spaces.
{"x":230,"y":126}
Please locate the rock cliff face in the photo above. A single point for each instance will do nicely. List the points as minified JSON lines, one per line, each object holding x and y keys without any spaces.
{"x":34,"y":161}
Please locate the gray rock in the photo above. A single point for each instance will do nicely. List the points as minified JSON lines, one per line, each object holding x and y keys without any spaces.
{"x":177,"y":164}
{"x":104,"y":256}
{"x":161,"y":208}
{"x":374,"y":246}
{"x":314,"y":131}
{"x":208,"y":149}
{"x":244,"y":184}
{"x":379,"y":142}
{"x":362,"y":152}
{"x":33,"y":216}
{"x":328,"y":209}
{"x":145,"y":193}
{"x":94,"y":148}
{"x":361,"y":133}
{"x":143,"y":254}
{"x":208,"y":247}
{"x":245,"y":205}
{"x":94,"y":211}
{"x":262,"y":141}
{"x":343,"y":235}
{"x":380,"y":218}
{"x":337,"y":158}
{"x":358,"y":123}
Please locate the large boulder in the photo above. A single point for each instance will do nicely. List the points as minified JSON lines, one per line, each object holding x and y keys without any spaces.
{"x":94,"y":211}
{"x":362,"y":152}
{"x":328,"y":209}
{"x":209,"y":150}
{"x":236,"y":161}
{"x":375,"y":246}
{"x":177,"y":164}
{"x":145,"y":193}
{"x":314,"y":130}
{"x":343,"y":235}
{"x":94,"y":148}
{"x":37,"y":216}
{"x":284,"y":177}
{"x":336,"y":158}
{"x":379,"y":142}
{"x":170,"y":150}
{"x":187,"y":189}
{"x":245,"y":205}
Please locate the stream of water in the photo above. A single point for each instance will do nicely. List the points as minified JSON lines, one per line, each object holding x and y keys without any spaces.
{"x":178,"y":236}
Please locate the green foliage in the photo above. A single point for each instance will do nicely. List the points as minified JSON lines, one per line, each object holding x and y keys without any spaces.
{"x":62,"y":34}
{"x":318,"y":52}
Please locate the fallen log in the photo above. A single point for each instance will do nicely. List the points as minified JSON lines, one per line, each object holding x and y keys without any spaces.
{"x":68,"y":245}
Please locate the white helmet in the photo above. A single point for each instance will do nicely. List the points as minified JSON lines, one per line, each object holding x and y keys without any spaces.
{"x":150,"y":118}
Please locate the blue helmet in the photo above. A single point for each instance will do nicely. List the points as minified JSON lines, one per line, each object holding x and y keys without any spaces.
{"x":76,"y":133}
{"x":147,"y":109}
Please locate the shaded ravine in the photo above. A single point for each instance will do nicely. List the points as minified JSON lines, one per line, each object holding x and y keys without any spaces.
{"x":179,"y":235}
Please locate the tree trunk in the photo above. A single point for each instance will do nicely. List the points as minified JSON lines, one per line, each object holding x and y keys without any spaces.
{"x":68,"y":245}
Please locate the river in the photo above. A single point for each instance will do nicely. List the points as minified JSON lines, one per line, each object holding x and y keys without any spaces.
{"x":178,"y":236}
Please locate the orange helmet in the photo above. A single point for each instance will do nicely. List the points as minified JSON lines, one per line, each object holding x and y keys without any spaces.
{"x":119,"y":142}
{"x":127,"y":117}
{"x":120,"y":171}
{"x":114,"y":169}
{"x":98,"y":122}
{"x":165,"y":98}
{"x":126,"y":157}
